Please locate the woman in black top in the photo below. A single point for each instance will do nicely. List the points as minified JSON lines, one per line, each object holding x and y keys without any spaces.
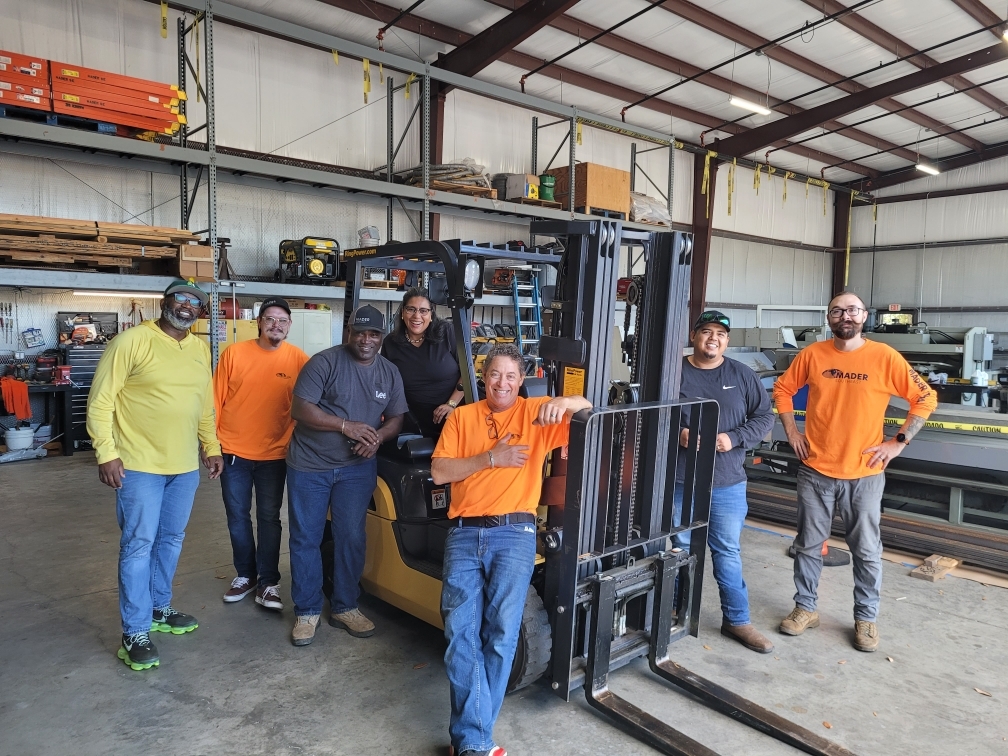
{"x":422,"y":346}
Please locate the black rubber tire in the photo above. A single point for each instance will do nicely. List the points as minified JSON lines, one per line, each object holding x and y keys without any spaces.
{"x":535,"y":644}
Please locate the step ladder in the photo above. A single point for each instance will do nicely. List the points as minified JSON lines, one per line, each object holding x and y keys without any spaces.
{"x":528,"y":319}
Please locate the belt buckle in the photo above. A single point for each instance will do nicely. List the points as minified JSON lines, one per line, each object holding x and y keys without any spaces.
{"x":494,"y":521}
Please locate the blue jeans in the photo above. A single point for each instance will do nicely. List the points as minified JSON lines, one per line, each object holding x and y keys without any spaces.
{"x":484,"y":584}
{"x":237,"y":481}
{"x":346,"y":493}
{"x":153,"y":511}
{"x":727,"y":516}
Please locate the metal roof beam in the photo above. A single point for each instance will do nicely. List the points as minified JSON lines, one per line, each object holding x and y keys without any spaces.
{"x":742,"y":36}
{"x":652,"y":57}
{"x":761,"y":136}
{"x":490,"y":44}
{"x":984,"y":15}
{"x":901,"y":176}
{"x":899,"y":48}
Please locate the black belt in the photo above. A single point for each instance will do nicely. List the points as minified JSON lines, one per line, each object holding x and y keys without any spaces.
{"x":494,"y":521}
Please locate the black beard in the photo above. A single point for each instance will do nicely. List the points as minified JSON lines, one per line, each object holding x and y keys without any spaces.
{"x":175,"y":321}
{"x":847,"y":331}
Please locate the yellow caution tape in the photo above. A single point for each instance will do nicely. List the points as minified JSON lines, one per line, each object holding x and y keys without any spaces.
{"x":579,"y":133}
{"x":335,"y":57}
{"x":787,"y":175}
{"x":410,"y":80}
{"x":367,"y":78}
{"x":756,"y":177}
{"x":939,"y":425}
{"x":381,"y":73}
{"x":706,"y":181}
{"x":731,"y":182}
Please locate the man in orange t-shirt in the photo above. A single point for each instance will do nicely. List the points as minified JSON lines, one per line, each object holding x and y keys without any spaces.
{"x":844,"y":454}
{"x":492,"y":452}
{"x":252,"y":396}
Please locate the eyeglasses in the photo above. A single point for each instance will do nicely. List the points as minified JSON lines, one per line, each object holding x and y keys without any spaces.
{"x":853,"y":311}
{"x":425,"y":311}
{"x":183,"y":298}
{"x":268,"y":320}
{"x":494,"y":431}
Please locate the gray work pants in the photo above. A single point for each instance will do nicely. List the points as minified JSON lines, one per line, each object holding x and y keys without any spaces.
{"x":860,"y":504}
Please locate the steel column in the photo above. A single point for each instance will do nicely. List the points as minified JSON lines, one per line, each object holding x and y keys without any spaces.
{"x":212,"y":182}
{"x":425,"y":150}
{"x":841,"y":260}
{"x":390,"y":157}
{"x":571,"y":161}
{"x":703,"y":215}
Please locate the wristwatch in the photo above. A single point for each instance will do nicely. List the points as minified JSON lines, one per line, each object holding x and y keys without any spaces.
{"x":452,"y":404}
{"x":901,"y":437}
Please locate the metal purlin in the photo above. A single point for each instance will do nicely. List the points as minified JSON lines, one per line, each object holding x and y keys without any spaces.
{"x":212,"y":185}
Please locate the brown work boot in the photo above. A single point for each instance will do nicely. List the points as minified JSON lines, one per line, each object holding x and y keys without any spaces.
{"x":353,"y":622}
{"x":304,"y":629}
{"x":748,"y":636}
{"x":798,"y":621}
{"x":866,"y":636}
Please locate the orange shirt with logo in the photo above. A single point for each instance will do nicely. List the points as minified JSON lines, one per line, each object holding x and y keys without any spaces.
{"x":252,"y":397}
{"x":499,"y":490}
{"x":847,"y":400}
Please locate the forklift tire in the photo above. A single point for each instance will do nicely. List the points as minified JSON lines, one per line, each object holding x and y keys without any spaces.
{"x":535,"y":643}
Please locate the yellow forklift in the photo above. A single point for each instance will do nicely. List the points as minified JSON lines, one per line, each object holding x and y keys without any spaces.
{"x":608,"y":586}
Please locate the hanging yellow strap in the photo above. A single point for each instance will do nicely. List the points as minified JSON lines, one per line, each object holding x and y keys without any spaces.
{"x":825,"y":189}
{"x":578,"y":132}
{"x":706,"y":180}
{"x":807,"y":182}
{"x":381,"y":74}
{"x":874,"y":212}
{"x":335,"y":57}
{"x":756,"y":178}
{"x":410,"y":80}
{"x":787,"y":175}
{"x":164,"y":20}
{"x":367,"y":78}
{"x":731,"y":183}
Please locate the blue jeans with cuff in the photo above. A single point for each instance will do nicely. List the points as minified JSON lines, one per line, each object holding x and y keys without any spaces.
{"x":345,"y":492}
{"x":485,"y":580}
{"x":240,"y":476}
{"x":727,"y":516}
{"x":153,"y":511}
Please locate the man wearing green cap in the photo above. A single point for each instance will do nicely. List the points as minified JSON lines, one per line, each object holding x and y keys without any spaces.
{"x":151,"y":401}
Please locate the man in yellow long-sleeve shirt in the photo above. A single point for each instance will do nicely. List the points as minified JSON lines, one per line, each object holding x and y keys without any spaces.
{"x":151,"y":401}
{"x":844,"y":454}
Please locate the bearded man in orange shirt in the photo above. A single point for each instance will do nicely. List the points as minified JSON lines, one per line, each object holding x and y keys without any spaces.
{"x":252,"y":394}
{"x":844,"y":455}
{"x":492,"y":452}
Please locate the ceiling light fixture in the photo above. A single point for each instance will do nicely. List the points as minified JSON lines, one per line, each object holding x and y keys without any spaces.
{"x":738,"y":102}
{"x":928,"y":169}
{"x":123,"y":294}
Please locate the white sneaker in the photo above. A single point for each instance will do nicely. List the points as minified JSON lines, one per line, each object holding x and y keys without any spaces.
{"x":268,"y":596}
{"x":240,"y":588}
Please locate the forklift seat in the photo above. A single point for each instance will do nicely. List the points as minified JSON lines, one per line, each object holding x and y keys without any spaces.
{"x":410,"y":447}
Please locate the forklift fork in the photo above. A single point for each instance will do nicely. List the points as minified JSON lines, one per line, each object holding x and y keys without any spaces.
{"x":664,"y":630}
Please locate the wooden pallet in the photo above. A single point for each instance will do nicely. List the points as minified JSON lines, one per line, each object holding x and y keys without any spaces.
{"x":84,"y":229}
{"x":539,"y":203}
{"x":472,"y":191}
{"x":393,"y":285}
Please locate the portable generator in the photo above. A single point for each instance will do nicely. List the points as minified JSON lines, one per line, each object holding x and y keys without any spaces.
{"x":309,"y":260}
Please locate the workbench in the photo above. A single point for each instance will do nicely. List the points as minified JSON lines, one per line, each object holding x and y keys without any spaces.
{"x":63,"y":411}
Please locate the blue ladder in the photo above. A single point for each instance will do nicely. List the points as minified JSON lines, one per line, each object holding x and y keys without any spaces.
{"x":528,"y":318}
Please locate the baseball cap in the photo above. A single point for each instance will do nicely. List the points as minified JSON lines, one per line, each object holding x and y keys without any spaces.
{"x":713,"y":316}
{"x":275,"y":302}
{"x":187,"y":287}
{"x":368,"y":318}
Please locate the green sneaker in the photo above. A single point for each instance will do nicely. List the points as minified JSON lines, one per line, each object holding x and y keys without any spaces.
{"x":138,"y":652}
{"x":167,"y":620}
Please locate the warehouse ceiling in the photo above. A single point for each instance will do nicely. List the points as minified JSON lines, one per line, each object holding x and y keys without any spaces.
{"x":890,"y":83}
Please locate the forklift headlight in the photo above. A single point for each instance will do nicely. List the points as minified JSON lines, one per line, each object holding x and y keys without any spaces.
{"x":471,"y":275}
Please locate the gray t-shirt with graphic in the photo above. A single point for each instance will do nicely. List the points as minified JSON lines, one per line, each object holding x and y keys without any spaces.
{"x":343,"y":387}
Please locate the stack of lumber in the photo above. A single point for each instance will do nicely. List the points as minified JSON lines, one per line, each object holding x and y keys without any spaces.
{"x":24,"y":81}
{"x":61,"y":241}
{"x":113,"y":98}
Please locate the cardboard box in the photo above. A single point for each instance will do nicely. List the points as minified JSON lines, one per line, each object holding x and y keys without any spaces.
{"x":198,"y":271}
{"x":196,"y":252}
{"x":596,"y":187}
{"x":295,"y":303}
{"x":522,"y":186}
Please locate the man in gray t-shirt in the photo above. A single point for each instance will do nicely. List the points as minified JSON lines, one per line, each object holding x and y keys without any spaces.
{"x":347,"y":401}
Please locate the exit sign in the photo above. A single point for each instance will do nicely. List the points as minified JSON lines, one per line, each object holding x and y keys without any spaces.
{"x":895,"y":308}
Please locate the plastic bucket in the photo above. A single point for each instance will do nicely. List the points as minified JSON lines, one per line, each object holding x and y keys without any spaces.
{"x":19,"y":439}
{"x":546,"y":185}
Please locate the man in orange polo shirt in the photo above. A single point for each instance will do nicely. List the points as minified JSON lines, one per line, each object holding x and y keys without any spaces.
{"x":252,"y":393}
{"x":492,"y":452}
{"x":844,"y":455}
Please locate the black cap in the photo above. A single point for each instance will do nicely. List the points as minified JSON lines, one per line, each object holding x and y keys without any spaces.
{"x":368,"y":318}
{"x":275,"y":302}
{"x":713,"y":316}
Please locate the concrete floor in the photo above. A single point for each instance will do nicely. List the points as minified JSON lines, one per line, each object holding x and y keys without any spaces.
{"x":236,"y":685}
